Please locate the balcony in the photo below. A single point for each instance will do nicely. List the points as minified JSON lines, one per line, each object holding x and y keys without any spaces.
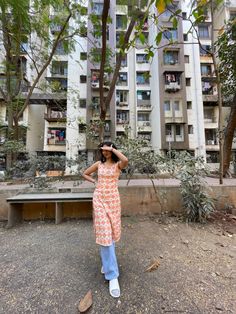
{"x":144,"y":105}
{"x":212,"y":144}
{"x":211,"y":122}
{"x":122,"y":105}
{"x":144,"y":126}
{"x":174,"y":120}
{"x":95,"y":84}
{"x":122,"y":121}
{"x":172,"y":87}
{"x":55,"y":116}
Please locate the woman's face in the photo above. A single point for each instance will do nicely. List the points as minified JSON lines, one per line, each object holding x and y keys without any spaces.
{"x":106,"y":153}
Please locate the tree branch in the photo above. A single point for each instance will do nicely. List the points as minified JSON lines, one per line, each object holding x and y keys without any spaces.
{"x":45,"y":65}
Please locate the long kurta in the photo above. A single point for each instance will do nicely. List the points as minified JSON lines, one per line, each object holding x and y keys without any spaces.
{"x":106,"y":205}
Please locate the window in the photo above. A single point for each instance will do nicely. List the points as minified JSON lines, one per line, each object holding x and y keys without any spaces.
{"x":142,"y":78}
{"x":170,"y":8}
{"x":145,"y":136}
{"x":83,"y":56}
{"x":184,"y":15}
{"x":205,"y":50}
{"x":171,"y":34}
{"x":188,"y":81}
{"x":143,"y":116}
{"x":59,"y":68}
{"x":83,"y":79}
{"x":205,"y":69}
{"x":82,"y":103}
{"x":121,"y":22}
{"x":56,"y":112}
{"x":209,"y":115}
{"x":208,"y":88}
{"x":185,"y":37}
{"x":177,"y":130}
{"x":190,"y":129}
{"x":141,"y":58}
{"x":138,"y":41}
{"x":211,"y":137}
{"x":168,"y":129}
{"x":176,"y":105}
{"x":60,"y":49}
{"x":123,"y":61}
{"x":189,"y":105}
{"x":167,"y":105}
{"x":119,"y":39}
{"x":56,"y":136}
{"x":121,"y":96}
{"x":97,"y":8}
{"x":143,"y":95}
{"x":122,"y":79}
{"x":203,"y":31}
{"x":58,"y":85}
{"x":172,"y":78}
{"x":122,"y":117}
{"x":171,"y":57}
{"x":186,"y":59}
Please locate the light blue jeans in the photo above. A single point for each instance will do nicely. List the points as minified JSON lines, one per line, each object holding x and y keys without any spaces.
{"x":109,"y":261}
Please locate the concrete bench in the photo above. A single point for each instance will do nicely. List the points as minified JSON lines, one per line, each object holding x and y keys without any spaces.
{"x":15,"y":213}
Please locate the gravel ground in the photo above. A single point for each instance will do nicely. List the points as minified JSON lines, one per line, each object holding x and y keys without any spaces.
{"x":47,"y":268}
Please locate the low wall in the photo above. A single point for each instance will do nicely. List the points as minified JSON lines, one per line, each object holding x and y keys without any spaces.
{"x":136,"y":200}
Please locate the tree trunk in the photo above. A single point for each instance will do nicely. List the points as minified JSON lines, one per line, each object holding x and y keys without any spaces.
{"x":219,"y":94}
{"x":229,"y":135}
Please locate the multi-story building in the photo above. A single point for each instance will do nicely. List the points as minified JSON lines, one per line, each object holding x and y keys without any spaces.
{"x":171,"y":101}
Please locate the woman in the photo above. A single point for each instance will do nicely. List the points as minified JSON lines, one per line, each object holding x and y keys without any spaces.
{"x":106,"y":209}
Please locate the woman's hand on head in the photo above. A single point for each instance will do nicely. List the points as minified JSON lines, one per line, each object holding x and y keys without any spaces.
{"x":109,"y":148}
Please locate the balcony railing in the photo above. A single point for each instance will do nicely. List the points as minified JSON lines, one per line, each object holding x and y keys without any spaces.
{"x":55,"y":117}
{"x":172,"y":87}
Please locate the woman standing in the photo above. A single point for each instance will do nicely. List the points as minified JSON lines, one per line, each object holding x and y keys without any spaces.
{"x":106,"y":209}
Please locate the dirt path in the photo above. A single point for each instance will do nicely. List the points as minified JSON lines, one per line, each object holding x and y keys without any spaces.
{"x":47,"y":268}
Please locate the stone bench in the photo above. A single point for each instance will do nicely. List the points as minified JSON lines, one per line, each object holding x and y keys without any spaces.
{"x":15,"y":213}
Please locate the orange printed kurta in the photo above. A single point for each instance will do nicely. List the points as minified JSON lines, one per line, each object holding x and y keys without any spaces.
{"x":106,"y":205}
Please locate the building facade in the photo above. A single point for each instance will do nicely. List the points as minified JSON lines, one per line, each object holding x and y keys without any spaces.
{"x":170,"y":101}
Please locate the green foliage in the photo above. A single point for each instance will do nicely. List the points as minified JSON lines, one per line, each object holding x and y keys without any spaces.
{"x":183,"y":166}
{"x":190,"y":171}
{"x":12,"y":146}
{"x":226,"y":48}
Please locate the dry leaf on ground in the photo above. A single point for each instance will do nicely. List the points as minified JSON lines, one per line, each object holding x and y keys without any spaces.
{"x":153,"y":266}
{"x":86,"y":302}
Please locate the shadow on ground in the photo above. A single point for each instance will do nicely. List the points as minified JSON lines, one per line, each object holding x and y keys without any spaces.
{"x":47,"y":268}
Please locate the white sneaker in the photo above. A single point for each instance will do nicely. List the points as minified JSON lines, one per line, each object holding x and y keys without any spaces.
{"x":114,"y":288}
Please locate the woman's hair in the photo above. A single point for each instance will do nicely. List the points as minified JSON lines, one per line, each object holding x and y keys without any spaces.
{"x":113,"y":156}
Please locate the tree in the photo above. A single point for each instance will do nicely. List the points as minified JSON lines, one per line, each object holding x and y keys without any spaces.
{"x":25,"y":35}
{"x":226,"y":46}
{"x":137,"y":15}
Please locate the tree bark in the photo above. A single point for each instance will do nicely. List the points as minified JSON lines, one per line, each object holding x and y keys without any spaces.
{"x":103,"y":109}
{"x":229,"y":136}
{"x":219,"y":94}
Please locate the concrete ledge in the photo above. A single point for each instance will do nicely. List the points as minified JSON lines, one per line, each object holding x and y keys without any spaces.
{"x":135,"y":199}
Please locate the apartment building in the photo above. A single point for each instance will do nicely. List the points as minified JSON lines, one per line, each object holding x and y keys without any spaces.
{"x":170,"y":101}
